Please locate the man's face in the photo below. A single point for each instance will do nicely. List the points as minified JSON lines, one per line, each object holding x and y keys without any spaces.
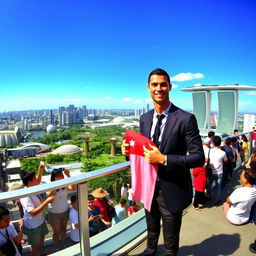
{"x":159,"y":88}
{"x":5,"y":221}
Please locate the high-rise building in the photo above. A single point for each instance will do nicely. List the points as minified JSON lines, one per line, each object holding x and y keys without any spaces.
{"x":249,"y":122}
{"x":61,"y":110}
{"x":202,"y":108}
{"x":51,"y":117}
{"x":227,"y":102}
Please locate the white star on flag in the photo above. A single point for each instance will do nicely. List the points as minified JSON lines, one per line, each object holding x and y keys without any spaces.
{"x":132,"y":143}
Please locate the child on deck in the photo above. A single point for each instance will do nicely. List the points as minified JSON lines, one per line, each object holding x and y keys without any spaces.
{"x":9,"y":239}
{"x":238,"y":205}
{"x":199,"y":174}
{"x":73,"y":216}
{"x":34,"y":222}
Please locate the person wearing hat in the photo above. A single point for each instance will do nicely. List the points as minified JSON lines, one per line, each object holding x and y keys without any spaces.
{"x":102,"y":202}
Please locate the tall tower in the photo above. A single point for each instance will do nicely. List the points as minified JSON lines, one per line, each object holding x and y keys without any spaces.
{"x":202,"y":108}
{"x":61,"y":110}
{"x":51,"y":117}
{"x":227,"y":102}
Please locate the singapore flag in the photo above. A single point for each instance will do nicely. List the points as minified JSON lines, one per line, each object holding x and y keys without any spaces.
{"x":143,"y":174}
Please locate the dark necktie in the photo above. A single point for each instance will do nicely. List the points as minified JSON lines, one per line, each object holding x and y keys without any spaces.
{"x":157,"y":129}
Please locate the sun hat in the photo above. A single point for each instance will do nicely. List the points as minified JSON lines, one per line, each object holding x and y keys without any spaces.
{"x":99,"y":193}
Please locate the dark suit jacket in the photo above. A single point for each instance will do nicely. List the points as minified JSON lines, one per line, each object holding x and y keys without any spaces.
{"x":180,"y":135}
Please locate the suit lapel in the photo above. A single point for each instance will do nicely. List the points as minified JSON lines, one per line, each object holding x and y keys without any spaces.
{"x":170,"y":123}
{"x":148,"y":122}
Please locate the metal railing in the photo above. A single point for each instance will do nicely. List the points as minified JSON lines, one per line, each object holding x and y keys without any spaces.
{"x":82,"y":193}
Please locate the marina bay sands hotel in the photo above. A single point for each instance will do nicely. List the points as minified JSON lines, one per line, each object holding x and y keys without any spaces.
{"x":227,"y":106}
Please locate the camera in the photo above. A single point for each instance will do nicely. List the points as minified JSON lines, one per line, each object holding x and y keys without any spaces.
{"x":61,"y":169}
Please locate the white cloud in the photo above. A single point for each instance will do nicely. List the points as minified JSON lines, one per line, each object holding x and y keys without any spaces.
{"x":174,"y":86}
{"x":138,"y":101}
{"x":87,"y":87}
{"x":250,"y":93}
{"x":187,"y":76}
{"x":108,"y":98}
{"x":126,"y":99}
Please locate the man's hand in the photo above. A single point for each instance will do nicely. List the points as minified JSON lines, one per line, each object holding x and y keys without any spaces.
{"x":154,"y":156}
{"x":125,"y":148}
{"x":41,"y":166}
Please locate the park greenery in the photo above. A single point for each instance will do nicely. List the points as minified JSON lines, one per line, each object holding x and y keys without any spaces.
{"x":98,"y":156}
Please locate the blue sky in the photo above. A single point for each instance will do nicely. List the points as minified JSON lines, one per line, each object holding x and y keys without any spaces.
{"x":99,"y":53}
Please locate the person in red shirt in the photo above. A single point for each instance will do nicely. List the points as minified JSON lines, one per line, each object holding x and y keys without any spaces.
{"x":102,"y":202}
{"x":133,"y":208}
{"x":199,"y":175}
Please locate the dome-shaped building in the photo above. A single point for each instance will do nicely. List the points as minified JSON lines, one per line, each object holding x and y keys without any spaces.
{"x":67,"y":149}
{"x":51,"y":128}
{"x":39,"y":147}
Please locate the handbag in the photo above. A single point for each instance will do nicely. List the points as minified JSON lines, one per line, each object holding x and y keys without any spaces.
{"x":8,"y":248}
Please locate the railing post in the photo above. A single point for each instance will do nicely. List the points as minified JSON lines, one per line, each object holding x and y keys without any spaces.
{"x":82,"y":193}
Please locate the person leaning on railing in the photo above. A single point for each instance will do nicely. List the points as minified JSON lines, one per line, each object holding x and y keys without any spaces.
{"x":58,"y":210}
{"x":33,"y":206}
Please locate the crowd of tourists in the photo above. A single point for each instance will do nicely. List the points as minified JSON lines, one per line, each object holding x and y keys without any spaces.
{"x":220,"y":162}
{"x":209,"y":180}
{"x":55,"y":207}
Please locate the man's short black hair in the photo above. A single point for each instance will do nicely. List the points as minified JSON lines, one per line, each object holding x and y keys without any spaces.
{"x":250,"y":175}
{"x":90,"y":197}
{"x":73,"y":199}
{"x":234,"y":139}
{"x":123,"y":201}
{"x":228,"y":141}
{"x":211,"y":133}
{"x":3,"y":212}
{"x":28,"y":176}
{"x":159,"y":72}
{"x":217,"y":141}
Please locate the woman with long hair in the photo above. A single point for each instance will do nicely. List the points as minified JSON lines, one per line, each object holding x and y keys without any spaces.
{"x":58,"y":210}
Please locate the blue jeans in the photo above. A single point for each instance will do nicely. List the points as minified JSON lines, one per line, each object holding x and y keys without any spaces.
{"x":217,"y":178}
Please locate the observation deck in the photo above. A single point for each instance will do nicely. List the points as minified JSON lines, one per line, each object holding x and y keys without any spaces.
{"x":203,"y":233}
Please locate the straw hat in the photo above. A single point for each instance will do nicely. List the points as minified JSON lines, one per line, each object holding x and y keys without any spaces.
{"x":99,"y":193}
{"x":15,"y":186}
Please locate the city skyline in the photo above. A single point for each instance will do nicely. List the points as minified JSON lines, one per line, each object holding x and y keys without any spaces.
{"x":61,"y":53}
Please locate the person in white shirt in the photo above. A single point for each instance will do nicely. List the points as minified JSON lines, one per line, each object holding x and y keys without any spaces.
{"x":217,"y":158}
{"x":9,"y":238}
{"x":124,"y":190}
{"x":33,"y":206}
{"x":238,"y":205}
{"x":130,"y":193}
{"x":58,"y":210}
{"x":73,"y":217}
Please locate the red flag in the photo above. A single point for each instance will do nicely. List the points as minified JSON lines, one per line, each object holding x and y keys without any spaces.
{"x":144,"y":175}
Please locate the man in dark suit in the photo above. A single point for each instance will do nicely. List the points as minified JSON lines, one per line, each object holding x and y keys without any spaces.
{"x":175,"y":133}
